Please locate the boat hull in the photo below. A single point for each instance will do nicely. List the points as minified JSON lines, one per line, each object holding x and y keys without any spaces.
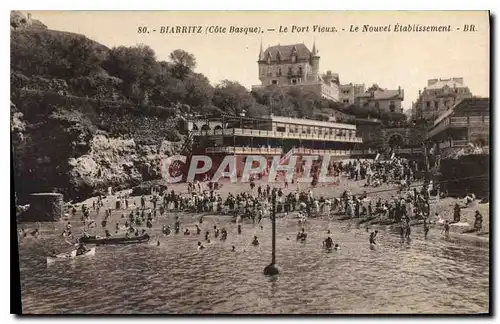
{"x":116,"y":240}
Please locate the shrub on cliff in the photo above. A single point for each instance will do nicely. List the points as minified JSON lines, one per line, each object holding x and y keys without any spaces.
{"x":173,"y":135}
{"x":54,"y":54}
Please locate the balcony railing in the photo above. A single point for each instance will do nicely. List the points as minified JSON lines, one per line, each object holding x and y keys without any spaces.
{"x":413,"y":150}
{"x":279,"y":151}
{"x":446,"y":123}
{"x":454,"y":143}
{"x":245,"y":150}
{"x":276,"y":134}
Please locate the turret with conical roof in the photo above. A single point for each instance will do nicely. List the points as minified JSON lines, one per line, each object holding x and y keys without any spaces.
{"x":261,"y":53}
{"x":315,"y":61}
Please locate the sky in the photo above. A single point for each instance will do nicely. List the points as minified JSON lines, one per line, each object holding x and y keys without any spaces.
{"x":389,"y":59}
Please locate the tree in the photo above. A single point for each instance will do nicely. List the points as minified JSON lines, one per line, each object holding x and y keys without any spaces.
{"x":233,"y":98}
{"x":303,"y":102}
{"x":276,"y":99}
{"x":199,"y":91}
{"x":132,"y":64}
{"x":183,"y":63}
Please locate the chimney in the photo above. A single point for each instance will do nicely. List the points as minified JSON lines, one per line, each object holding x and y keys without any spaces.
{"x":419,"y":93}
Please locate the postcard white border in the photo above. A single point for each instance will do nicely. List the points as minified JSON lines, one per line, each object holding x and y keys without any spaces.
{"x":194,"y":5}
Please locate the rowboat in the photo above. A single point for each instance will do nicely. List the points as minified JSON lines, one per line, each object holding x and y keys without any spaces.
{"x":97,"y":240}
{"x":71,"y":255}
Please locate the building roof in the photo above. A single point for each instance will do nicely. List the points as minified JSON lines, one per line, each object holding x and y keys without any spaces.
{"x":310,"y":122}
{"x":440,"y":83}
{"x":385,"y":94}
{"x":303,"y":53}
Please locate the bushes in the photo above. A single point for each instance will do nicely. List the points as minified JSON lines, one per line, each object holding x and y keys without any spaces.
{"x":54,"y":54}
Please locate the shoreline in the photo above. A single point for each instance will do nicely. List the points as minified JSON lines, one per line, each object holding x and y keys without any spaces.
{"x":383,"y":192}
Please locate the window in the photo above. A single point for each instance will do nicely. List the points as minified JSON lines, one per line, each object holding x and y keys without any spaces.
{"x":377,"y":105}
{"x":281,"y":129}
{"x":294,"y":58}
{"x":392,"y":106}
{"x":428,"y":103}
{"x":300,"y":70}
{"x":279,"y":71}
{"x":274,"y":82}
{"x":346,"y":100}
{"x":436,"y":105}
{"x":294,"y":81}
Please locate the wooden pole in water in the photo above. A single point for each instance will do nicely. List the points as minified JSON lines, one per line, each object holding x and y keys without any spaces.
{"x":272,"y":269}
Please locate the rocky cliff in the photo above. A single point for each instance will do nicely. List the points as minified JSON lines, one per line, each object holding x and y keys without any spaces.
{"x":58,"y":148}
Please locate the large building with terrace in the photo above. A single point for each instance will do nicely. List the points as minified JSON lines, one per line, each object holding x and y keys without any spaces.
{"x":272,"y":136}
{"x":466,"y":124}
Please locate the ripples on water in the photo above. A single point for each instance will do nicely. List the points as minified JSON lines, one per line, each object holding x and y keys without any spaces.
{"x":426,"y":276}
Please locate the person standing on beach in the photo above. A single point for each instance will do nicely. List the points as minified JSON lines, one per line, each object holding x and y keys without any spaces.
{"x":373,"y":235}
{"x":478,"y":223}
{"x":446,"y":228}
{"x":426,"y":228}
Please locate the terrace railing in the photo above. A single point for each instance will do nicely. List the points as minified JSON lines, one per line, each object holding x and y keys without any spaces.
{"x":276,"y":134}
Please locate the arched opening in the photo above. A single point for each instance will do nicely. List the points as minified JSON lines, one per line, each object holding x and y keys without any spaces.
{"x":205,"y":127}
{"x":195,"y":127}
{"x":396,"y":141}
{"x":218,"y":127}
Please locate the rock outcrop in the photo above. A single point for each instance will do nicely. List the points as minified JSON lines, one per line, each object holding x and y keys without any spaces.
{"x":66,"y":151}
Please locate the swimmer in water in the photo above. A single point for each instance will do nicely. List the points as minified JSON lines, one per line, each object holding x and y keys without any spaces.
{"x":302,"y":235}
{"x":233,"y":249}
{"x":157,"y":243}
{"x":328,"y":243}
{"x":200,"y":246}
{"x":373,"y":235}
{"x":336,"y":247}
{"x":239,"y":228}
{"x":255,"y":241}
{"x":186,"y":232}
{"x":198,"y":229}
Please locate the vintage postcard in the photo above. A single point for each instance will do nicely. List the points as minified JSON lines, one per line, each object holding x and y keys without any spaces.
{"x":251,"y":162}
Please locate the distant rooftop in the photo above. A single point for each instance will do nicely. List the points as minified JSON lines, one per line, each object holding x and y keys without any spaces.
{"x":286,"y":51}
{"x":310,"y":122}
{"x":440,"y":83}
